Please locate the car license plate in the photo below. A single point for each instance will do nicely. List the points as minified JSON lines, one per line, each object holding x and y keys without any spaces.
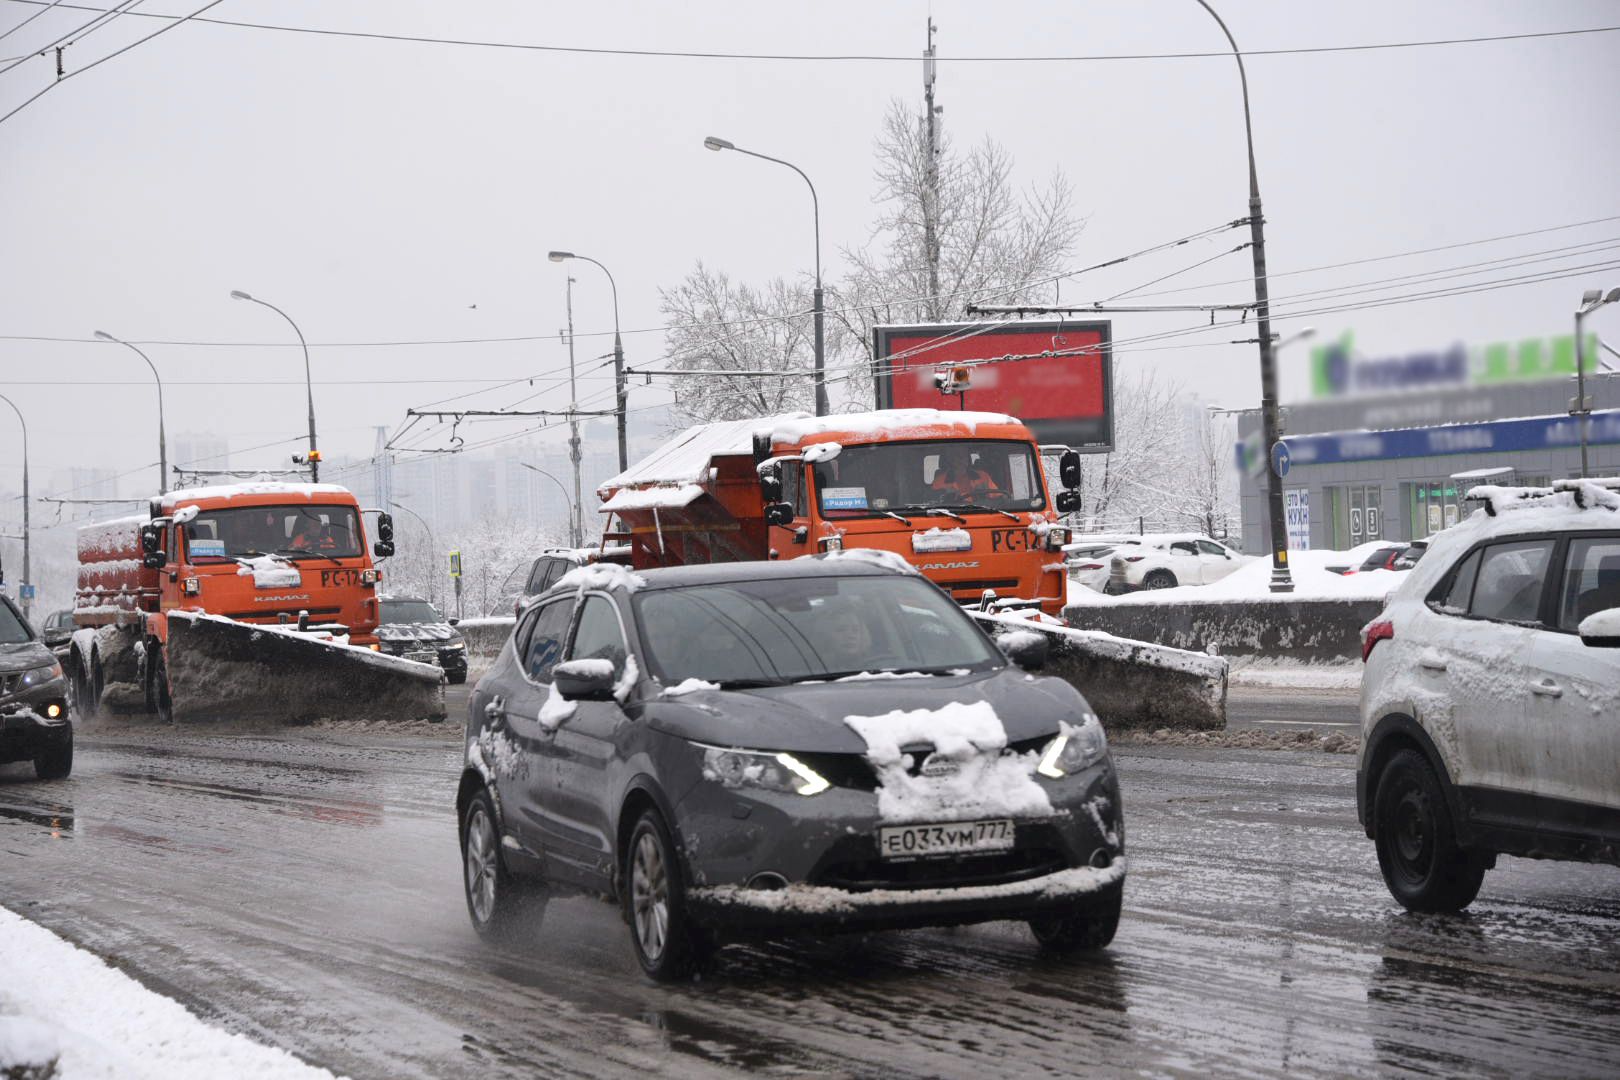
{"x":951,"y":838}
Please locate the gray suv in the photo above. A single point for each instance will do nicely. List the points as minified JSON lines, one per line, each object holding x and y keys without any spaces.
{"x":34,"y":723}
{"x":746,"y":749}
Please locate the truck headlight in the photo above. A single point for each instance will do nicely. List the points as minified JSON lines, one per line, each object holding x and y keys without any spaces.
{"x":831,"y":543}
{"x":1056,"y":538}
{"x":40,"y":675}
{"x":368,"y":578}
{"x":1074,"y":749}
{"x":771,"y":771}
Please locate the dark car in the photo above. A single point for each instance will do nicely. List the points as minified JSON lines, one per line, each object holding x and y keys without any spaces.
{"x":746,"y":749}
{"x":57,"y":631}
{"x":413,"y":628}
{"x":34,"y":723}
{"x":546,"y":570}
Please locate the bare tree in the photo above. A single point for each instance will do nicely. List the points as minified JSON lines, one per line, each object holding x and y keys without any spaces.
{"x":718,"y":326}
{"x":1142,"y":477}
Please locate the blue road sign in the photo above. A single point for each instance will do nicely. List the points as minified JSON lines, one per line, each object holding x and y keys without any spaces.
{"x":1279,"y":458}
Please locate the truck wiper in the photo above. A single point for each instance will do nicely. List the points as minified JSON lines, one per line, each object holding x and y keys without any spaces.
{"x":985,"y":510}
{"x":306,"y":551}
{"x":940,"y":511}
{"x":897,"y":517}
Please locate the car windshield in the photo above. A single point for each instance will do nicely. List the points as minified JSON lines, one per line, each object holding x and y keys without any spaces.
{"x":303,"y":531}
{"x":784,"y":630}
{"x":410,"y":611}
{"x":12,"y":629}
{"x":880,"y":478}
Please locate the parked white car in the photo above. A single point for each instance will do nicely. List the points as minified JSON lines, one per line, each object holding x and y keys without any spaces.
{"x":1490,"y":704}
{"x":1088,"y":563}
{"x":1166,"y":560}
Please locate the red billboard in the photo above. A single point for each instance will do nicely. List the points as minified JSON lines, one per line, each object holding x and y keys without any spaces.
{"x":1057,"y":377}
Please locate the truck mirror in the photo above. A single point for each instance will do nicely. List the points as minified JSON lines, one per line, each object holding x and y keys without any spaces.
{"x":1069,"y":468}
{"x":385,"y":528}
{"x":770,"y":486}
{"x":383,"y":549}
{"x":1068,"y":501}
{"x":153,"y":560}
{"x":779,"y":513}
{"x":762,"y":446}
{"x":151,"y":539}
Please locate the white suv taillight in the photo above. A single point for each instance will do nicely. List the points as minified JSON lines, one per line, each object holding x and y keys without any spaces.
{"x":1372,"y":634}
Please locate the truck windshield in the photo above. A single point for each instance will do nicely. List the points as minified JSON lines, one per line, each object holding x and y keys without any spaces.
{"x":784,"y":630}
{"x":302,"y":531}
{"x":12,"y":629}
{"x":879,"y":478}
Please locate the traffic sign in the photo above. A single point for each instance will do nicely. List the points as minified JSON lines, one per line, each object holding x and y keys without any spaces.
{"x":455,"y":564}
{"x":25,"y":591}
{"x":1279,"y":458}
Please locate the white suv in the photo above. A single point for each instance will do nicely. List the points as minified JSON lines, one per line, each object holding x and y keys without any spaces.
{"x":1165,"y":560}
{"x":1490,"y":706}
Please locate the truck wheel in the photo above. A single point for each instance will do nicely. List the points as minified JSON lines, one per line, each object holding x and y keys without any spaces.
{"x":57,"y":762}
{"x":1160,"y":579}
{"x":157,"y":691}
{"x":1417,"y":842}
{"x":88,"y":678}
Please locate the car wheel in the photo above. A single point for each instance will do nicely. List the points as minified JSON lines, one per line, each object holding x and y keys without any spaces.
{"x":57,"y":762}
{"x":1417,"y":843}
{"x":1159,"y":579}
{"x":493,"y":898}
{"x":1091,"y":927}
{"x":455,"y":678}
{"x":667,"y":945}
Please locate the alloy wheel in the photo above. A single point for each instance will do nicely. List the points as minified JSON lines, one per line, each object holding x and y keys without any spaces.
{"x":481,"y":869}
{"x":649,"y":896}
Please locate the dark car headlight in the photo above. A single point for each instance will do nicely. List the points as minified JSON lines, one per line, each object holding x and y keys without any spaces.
{"x":1073,"y":749}
{"x":454,"y":646}
{"x":40,"y":675}
{"x":765,"y":769}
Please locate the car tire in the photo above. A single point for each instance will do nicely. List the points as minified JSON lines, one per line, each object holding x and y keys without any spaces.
{"x":1090,"y":928}
{"x":1417,"y":842}
{"x":668,"y":947}
{"x":57,"y":762}
{"x":455,"y":678}
{"x":494,"y":899}
{"x":1159,"y":579}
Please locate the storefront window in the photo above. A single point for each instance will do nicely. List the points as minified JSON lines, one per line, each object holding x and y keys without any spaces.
{"x":1432,"y":505}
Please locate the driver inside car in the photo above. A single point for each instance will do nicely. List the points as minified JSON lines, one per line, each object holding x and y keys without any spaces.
{"x":958,"y":479}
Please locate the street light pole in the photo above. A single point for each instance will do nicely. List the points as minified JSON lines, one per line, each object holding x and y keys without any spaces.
{"x":1590,"y":302}
{"x":163,"y":443}
{"x":620,"y":392}
{"x":574,"y":526}
{"x":819,"y":308}
{"x":433,"y":578}
{"x":1281,"y":580}
{"x":27,"y":579}
{"x":309,"y":388}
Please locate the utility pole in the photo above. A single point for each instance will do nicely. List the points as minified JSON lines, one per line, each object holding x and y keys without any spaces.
{"x":573,"y":419}
{"x":382,"y":471}
{"x":931,"y":179}
{"x":27,"y":578}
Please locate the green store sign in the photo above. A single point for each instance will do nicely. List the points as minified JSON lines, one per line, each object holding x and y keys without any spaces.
{"x":1335,"y":372}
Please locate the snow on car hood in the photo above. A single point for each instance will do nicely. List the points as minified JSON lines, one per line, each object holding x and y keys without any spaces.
{"x":28,"y":654}
{"x":417,"y":632}
{"x":810,"y":717}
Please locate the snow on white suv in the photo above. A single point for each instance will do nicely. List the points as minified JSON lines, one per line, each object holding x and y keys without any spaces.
{"x":1165,"y":560}
{"x":1490,"y":706}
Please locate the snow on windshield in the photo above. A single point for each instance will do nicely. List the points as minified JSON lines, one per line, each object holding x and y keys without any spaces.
{"x":967,"y":775}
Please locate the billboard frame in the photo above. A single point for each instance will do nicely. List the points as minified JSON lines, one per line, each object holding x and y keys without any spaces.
{"x":882,"y":380}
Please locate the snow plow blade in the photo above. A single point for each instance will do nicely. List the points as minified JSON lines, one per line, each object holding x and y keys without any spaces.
{"x":1130,"y":684}
{"x":223,"y":670}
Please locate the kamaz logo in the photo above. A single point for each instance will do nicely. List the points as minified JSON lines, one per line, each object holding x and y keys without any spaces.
{"x":279,"y":599}
{"x":948,"y":565}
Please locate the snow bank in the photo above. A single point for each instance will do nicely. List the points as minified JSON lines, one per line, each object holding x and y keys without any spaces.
{"x":601,"y":576}
{"x":972,"y":775}
{"x":60,"y":1004}
{"x":816,"y":900}
{"x":1309,"y":569}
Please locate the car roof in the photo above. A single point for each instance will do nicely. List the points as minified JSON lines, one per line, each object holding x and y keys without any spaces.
{"x":675,"y":577}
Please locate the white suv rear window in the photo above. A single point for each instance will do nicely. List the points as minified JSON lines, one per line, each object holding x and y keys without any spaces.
{"x":1591,"y":580}
{"x":1510,"y":581}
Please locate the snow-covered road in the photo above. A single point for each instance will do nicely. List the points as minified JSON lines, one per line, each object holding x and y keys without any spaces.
{"x":303,"y":890}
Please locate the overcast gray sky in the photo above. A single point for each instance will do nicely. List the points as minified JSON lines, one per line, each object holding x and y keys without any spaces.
{"x":378,"y":190}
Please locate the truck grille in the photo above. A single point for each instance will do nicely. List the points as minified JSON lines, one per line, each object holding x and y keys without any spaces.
{"x":977,"y":587}
{"x":261,"y":616}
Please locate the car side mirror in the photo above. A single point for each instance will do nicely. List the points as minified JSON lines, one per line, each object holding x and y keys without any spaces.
{"x":1068,"y":501}
{"x":779,"y":513}
{"x":1601,"y":630}
{"x":453,"y":621}
{"x":1069,"y":468}
{"x":1027,"y":649}
{"x":583,"y":680}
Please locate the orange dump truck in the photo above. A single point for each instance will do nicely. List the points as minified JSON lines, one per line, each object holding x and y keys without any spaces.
{"x":240,"y":601}
{"x":960,"y":495}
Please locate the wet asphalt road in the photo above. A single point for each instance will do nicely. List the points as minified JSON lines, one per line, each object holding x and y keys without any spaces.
{"x":303,"y":888}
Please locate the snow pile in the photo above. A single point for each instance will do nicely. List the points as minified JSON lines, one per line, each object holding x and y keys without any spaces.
{"x":555,"y":710}
{"x":884,"y":424}
{"x":226,"y":492}
{"x":662,"y":497}
{"x":1601,"y":624}
{"x":888,"y":560}
{"x":501,"y":754}
{"x":120,"y":536}
{"x":186,"y":515}
{"x":270,"y":572}
{"x":937,"y":539}
{"x":65,"y":1014}
{"x":689,"y":686}
{"x":627,"y":680}
{"x":821,"y":452}
{"x":821,"y":900}
{"x":972,"y":775}
{"x":1018,"y":640}
{"x":601,"y":576}
{"x":861,"y":676}
{"x":1309,"y":569}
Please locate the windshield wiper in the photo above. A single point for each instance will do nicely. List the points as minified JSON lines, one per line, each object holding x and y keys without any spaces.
{"x":748,"y":684}
{"x":940,"y":511}
{"x":897,"y":517}
{"x":306,"y":551}
{"x":977,"y":509}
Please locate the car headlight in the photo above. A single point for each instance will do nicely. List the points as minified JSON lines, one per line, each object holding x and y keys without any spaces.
{"x":1073,"y":749}
{"x":40,"y":675}
{"x":771,"y":771}
{"x":454,"y":646}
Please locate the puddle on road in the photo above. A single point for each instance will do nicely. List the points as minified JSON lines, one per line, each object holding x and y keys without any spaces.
{"x":58,"y":820}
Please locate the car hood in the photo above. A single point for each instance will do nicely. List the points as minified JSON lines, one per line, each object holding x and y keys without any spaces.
{"x":417,"y":632}
{"x":30,"y":654}
{"x":809,"y":717}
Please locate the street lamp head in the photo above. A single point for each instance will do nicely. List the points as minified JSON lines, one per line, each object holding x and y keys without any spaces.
{"x":714,"y":142}
{"x":238,"y":294}
{"x":559,"y":256}
{"x":1614,"y":294}
{"x":1590,"y":297}
{"x":104,"y":336}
